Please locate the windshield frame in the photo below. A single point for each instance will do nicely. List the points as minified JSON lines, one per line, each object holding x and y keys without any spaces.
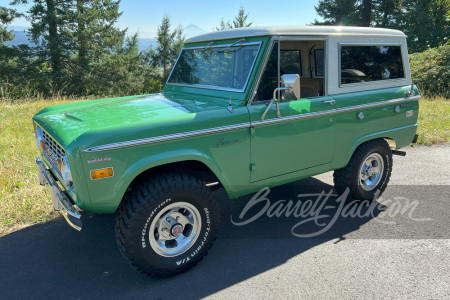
{"x":218,"y":88}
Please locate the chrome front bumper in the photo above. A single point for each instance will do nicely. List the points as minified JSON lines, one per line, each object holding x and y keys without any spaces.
{"x":60,"y":200}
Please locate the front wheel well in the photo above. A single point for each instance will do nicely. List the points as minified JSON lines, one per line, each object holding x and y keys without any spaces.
{"x":190,"y":167}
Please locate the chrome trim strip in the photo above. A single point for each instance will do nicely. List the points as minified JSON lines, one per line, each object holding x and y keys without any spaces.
{"x":376,"y":104}
{"x":168,"y":137}
{"x":195,"y":133}
{"x":296,"y":117}
{"x":333,"y":111}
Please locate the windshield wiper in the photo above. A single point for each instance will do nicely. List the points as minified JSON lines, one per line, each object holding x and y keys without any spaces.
{"x":208,"y":46}
{"x":234,"y":44}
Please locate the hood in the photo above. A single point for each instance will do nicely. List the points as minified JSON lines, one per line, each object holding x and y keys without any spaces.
{"x":135,"y":115}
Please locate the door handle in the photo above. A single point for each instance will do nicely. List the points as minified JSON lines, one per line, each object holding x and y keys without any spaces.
{"x":331,"y":102}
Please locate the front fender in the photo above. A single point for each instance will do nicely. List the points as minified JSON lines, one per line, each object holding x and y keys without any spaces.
{"x":106,"y":194}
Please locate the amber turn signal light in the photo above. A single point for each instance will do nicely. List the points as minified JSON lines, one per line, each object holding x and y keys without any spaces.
{"x":42,"y":145}
{"x":102,"y":173}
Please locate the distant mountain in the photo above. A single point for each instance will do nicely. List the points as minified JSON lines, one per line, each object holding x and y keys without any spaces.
{"x":144,"y":43}
{"x":193,"y":30}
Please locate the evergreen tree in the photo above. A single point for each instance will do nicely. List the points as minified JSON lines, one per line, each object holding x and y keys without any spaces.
{"x":425,"y":22}
{"x":240,"y":20}
{"x":18,"y":74}
{"x":169,"y":44}
{"x":50,"y":31}
{"x":7,"y":15}
{"x":385,"y":12}
{"x":95,"y":36}
{"x":339,"y":12}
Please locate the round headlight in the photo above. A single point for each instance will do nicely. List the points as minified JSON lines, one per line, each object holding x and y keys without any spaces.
{"x":65,"y":171}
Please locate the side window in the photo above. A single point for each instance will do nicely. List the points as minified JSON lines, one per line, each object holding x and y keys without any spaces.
{"x":370,"y":63}
{"x":294,"y":56}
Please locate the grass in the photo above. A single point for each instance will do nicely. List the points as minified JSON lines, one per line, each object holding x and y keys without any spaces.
{"x":434,"y":121}
{"x":23,"y":201}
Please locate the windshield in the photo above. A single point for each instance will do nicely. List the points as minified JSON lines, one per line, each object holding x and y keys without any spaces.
{"x":224,"y":67}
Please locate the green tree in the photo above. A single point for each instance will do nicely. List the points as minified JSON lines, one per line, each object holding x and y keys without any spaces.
{"x":95,"y":36}
{"x":7,"y":15}
{"x":357,"y":12}
{"x":339,"y":12}
{"x":385,"y":12}
{"x":72,"y":36}
{"x":17,"y":72}
{"x":169,"y":44}
{"x":50,"y":31}
{"x":240,"y":20}
{"x":125,"y":72}
{"x":425,"y":22}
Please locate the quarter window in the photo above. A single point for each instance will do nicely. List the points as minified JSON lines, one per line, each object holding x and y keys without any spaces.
{"x":319,"y":62}
{"x":370,"y":63}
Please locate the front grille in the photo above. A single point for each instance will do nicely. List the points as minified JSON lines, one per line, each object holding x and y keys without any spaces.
{"x":53,"y":152}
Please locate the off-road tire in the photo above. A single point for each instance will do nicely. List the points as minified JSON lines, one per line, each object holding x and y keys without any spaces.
{"x":146,"y":205}
{"x":351,"y":175}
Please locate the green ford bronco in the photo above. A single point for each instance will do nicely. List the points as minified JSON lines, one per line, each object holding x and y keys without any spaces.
{"x":242,"y":109}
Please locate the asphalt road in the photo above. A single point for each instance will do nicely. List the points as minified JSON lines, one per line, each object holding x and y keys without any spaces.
{"x":399,"y":248}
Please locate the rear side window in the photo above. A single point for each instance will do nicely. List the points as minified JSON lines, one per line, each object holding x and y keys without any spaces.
{"x":370,"y":63}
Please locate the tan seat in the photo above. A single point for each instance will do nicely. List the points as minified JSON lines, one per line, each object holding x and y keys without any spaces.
{"x":309,"y":87}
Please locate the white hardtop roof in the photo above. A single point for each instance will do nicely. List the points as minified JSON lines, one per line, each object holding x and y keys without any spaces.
{"x":296,"y":31}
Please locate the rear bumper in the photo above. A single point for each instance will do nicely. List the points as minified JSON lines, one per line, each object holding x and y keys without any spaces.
{"x":61,"y":201}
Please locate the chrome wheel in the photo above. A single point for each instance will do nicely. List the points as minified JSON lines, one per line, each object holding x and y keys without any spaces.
{"x":371,"y":171}
{"x":174,"y":230}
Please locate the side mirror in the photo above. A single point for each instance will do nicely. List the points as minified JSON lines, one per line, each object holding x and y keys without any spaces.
{"x":292,"y":84}
{"x":291,"y":88}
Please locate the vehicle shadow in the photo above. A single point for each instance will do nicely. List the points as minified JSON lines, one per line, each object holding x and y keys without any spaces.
{"x":52,"y":260}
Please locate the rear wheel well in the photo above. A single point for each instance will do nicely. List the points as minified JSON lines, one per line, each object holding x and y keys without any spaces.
{"x":391,"y":142}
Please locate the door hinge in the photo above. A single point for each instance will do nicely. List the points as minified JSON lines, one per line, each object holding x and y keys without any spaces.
{"x":252,"y":168}
{"x":252,"y":130}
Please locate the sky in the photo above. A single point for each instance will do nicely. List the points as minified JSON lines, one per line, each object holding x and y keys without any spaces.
{"x":144,"y":16}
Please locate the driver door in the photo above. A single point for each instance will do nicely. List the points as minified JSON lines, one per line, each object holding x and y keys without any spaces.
{"x":301,"y":139}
